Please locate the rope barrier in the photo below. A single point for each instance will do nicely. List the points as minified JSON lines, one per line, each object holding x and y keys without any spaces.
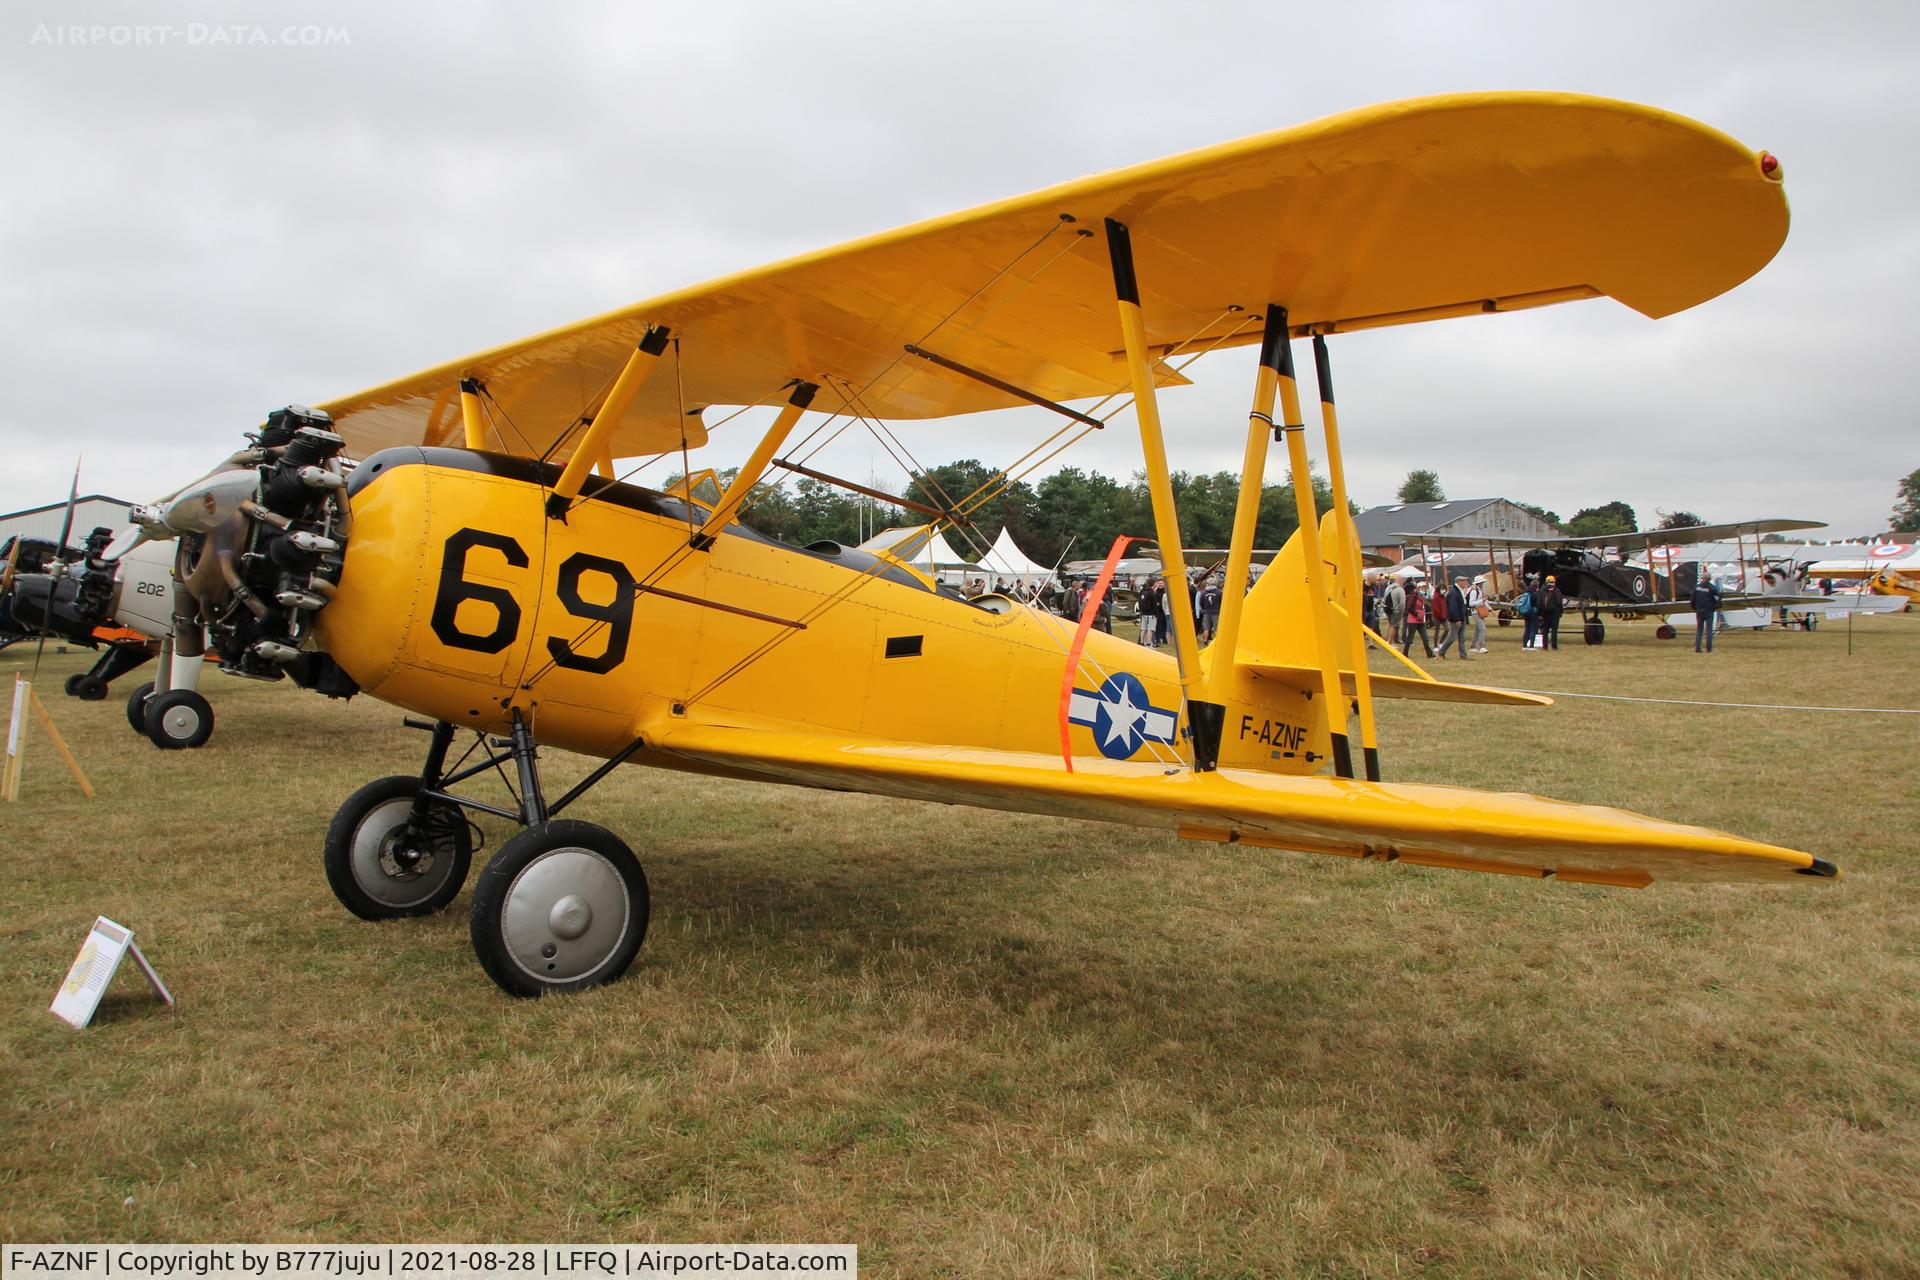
{"x":1740,"y":706}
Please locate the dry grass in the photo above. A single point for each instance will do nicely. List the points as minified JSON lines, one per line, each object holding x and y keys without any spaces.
{"x":984,"y":1045}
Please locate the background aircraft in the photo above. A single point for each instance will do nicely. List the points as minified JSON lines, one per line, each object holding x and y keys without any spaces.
{"x":125,"y":596}
{"x":1884,"y":568}
{"x":1600,"y":578}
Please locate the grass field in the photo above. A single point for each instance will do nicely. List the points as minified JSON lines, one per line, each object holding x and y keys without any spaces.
{"x":986,"y":1045}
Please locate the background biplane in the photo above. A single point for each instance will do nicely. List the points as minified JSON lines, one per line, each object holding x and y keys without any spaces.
{"x":481,"y":565}
{"x":1889,"y":569}
{"x":1636,"y":574}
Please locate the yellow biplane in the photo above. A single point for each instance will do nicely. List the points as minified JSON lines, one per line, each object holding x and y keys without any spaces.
{"x":480,"y":565}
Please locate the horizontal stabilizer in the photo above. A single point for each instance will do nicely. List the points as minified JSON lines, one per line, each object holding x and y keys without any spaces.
{"x":1408,"y":687}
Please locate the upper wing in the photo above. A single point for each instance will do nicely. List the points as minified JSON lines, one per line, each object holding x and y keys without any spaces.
{"x":1669,"y":537}
{"x":1407,"y":211}
{"x":1506,"y":833}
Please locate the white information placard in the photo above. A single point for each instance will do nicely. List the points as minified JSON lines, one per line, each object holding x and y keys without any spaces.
{"x":99,"y":959}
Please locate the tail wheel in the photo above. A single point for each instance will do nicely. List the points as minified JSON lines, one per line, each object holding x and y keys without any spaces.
{"x":137,"y":707}
{"x":381,"y":865}
{"x":562,"y":907}
{"x":179,"y":718}
{"x":1664,"y":631}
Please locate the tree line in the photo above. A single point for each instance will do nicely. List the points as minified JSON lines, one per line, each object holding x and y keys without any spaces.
{"x":1075,"y":514}
{"x":1071,"y":514}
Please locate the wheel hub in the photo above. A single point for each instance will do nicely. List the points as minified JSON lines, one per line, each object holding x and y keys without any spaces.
{"x":180,"y":722}
{"x":395,"y":863}
{"x":565,"y":914}
{"x":570,"y":917}
{"x":402,"y":856}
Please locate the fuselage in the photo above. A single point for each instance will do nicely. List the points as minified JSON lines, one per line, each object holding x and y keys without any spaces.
{"x":461,"y":599}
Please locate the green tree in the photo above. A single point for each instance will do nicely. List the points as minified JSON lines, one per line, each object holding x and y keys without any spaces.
{"x":1906,"y":505}
{"x":1422,"y":486}
{"x":1679,"y":520}
{"x":1614,"y":517}
{"x":1551,"y":517}
{"x":967,"y":484}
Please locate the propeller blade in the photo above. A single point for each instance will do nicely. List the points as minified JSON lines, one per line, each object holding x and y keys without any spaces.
{"x":59,"y":561}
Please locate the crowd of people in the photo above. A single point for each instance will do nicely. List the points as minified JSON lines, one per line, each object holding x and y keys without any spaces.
{"x":1441,"y":616}
{"x":1153,"y":604}
{"x":1454,"y":615}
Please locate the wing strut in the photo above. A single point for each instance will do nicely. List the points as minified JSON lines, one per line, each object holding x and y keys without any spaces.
{"x":1294,"y":432}
{"x":1349,"y":558}
{"x":471,"y":420}
{"x":755,"y":467}
{"x":1204,"y":718}
{"x":1246,"y":509}
{"x":599,"y":438}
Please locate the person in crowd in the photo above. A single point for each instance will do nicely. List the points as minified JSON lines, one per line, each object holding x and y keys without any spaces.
{"x":1478,"y":609}
{"x":1370,"y":607}
{"x":1706,"y":609}
{"x":1000,"y":585}
{"x":1396,"y":606}
{"x":1455,"y":634}
{"x":1442,"y":615}
{"x":1104,"y":618}
{"x":1415,"y":622}
{"x":1150,"y":611}
{"x":1528,"y":607}
{"x":1209,"y":606}
{"x":1552,"y":604}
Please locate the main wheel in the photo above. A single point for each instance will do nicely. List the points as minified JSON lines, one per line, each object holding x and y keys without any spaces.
{"x":381,"y":867}
{"x":179,"y":718}
{"x":561,"y":907}
{"x":86,"y":687}
{"x":137,"y":706}
{"x":1664,"y":631}
{"x":1595,"y":631}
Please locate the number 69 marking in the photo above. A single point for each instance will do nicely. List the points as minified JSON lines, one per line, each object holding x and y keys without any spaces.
{"x":615,"y":615}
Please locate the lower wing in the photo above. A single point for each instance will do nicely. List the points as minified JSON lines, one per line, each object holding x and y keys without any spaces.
{"x":1504,"y":833}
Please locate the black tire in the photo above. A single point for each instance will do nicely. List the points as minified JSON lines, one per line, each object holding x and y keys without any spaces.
{"x":86,"y":686}
{"x":137,"y":707}
{"x":1664,"y":631}
{"x":72,"y":685}
{"x":559,"y":908}
{"x":179,"y":719}
{"x":375,"y":867}
{"x":1595,"y":631}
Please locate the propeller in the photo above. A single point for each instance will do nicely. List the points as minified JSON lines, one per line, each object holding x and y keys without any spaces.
{"x":7,"y":571}
{"x":60,"y":547}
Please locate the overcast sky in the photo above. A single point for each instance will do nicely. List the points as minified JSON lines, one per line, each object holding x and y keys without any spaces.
{"x":199,"y":228}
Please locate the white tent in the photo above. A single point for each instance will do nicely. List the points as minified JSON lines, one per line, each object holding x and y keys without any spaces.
{"x":1408,"y":571}
{"x":1005,"y":560}
{"x":923,"y":547}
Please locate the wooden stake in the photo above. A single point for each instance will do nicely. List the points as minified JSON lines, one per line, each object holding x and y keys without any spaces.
{"x":16,"y":739}
{"x":59,"y":743}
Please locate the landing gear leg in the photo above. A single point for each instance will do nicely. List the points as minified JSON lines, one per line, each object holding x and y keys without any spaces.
{"x":114,"y":662}
{"x":563,"y":905}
